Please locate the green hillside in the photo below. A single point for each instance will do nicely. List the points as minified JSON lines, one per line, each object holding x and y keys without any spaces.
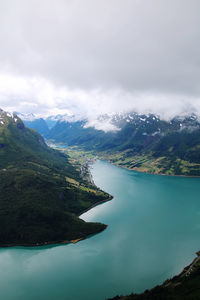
{"x":41,"y":193}
{"x":143,"y":142}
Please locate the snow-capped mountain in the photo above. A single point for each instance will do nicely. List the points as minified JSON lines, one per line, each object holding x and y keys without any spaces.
{"x":52,"y":120}
{"x":116,"y":121}
{"x":6,"y":118}
{"x":26,"y":117}
{"x":117,"y":124}
{"x":138,"y":135}
{"x":34,"y":122}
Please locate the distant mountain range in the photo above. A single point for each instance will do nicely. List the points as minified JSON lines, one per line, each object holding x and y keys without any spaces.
{"x":136,"y":141}
{"x":33,"y":122}
{"x":42,"y":125}
{"x":41,"y":193}
{"x":139,"y":142}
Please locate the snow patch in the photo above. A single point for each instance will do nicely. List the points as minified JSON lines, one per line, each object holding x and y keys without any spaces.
{"x":9,"y":115}
{"x":155,"y":133}
{"x":26,"y":117}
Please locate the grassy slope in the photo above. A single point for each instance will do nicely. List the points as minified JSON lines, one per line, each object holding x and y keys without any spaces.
{"x":41,"y":193}
{"x":143,"y":163}
{"x":148,"y":163}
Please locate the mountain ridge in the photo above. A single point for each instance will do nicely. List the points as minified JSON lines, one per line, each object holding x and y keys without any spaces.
{"x":142,"y":142}
{"x":41,"y":192}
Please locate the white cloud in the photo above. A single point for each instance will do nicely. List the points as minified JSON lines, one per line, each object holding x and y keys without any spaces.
{"x":90,"y":57}
{"x":41,"y":97}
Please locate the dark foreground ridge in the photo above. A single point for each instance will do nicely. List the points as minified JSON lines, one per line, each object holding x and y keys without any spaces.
{"x":185,"y":286}
{"x":41,"y":193}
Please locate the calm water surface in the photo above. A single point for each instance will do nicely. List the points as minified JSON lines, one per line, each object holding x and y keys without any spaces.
{"x":153,"y":232}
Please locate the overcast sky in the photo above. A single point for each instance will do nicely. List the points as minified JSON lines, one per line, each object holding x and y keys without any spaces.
{"x":97,"y":56}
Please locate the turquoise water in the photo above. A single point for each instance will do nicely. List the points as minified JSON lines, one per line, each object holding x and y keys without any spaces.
{"x":153,"y":232}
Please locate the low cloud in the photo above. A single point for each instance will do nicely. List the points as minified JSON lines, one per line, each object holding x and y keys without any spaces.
{"x":43,"y":99}
{"x":94,"y":57}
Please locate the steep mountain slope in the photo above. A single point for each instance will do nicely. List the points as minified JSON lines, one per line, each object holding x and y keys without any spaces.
{"x":140,"y":142}
{"x":41,"y":193}
{"x":75,"y":133}
{"x":33,"y":122}
{"x":38,"y":124}
{"x":52,"y":120}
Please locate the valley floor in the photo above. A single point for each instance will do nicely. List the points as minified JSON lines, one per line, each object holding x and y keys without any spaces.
{"x":186,"y":284}
{"x":140,"y":163}
{"x":149,"y":164}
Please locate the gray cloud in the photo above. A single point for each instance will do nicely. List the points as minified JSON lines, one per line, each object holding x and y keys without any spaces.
{"x":103,"y":55}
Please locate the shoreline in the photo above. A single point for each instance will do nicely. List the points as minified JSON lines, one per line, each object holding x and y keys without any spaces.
{"x":169,"y":287}
{"x":96,"y":204}
{"x":63,"y":242}
{"x":186,"y":271}
{"x":91,"y":180}
{"x":135,"y":170}
{"x":142,"y":172}
{"x":161,"y":174}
